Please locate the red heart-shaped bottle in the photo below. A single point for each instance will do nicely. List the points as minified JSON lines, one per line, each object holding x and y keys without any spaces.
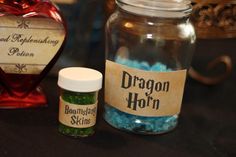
{"x":32,"y":34}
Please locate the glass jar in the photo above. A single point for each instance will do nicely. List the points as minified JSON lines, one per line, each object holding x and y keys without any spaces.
{"x":149,"y":46}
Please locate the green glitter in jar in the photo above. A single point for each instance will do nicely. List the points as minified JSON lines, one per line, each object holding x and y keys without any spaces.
{"x":78,"y":101}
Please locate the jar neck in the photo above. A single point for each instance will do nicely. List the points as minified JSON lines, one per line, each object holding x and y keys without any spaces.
{"x":150,"y":20}
{"x":166,"y":9}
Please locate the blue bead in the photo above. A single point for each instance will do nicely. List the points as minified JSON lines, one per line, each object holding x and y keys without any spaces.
{"x":144,"y":66}
{"x":159,"y":67}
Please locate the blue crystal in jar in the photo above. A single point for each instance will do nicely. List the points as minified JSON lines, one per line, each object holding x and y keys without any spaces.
{"x":140,"y":124}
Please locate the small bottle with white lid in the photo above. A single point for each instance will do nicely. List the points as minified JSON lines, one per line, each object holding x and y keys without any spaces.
{"x":78,"y":100}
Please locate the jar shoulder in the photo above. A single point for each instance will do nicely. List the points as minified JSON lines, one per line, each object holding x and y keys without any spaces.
{"x":166,"y":28}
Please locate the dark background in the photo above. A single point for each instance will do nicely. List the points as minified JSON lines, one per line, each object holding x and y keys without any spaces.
{"x":207,"y":126}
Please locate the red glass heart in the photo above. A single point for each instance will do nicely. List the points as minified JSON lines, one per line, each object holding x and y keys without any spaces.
{"x":32,"y":36}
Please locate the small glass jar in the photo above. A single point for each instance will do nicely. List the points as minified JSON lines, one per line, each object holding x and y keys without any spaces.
{"x":78,"y":101}
{"x":149,"y":47}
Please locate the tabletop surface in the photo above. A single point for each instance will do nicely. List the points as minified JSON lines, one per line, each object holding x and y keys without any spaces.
{"x":206,"y":128}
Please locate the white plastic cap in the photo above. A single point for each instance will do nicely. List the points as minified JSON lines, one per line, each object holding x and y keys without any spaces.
{"x":79,"y":79}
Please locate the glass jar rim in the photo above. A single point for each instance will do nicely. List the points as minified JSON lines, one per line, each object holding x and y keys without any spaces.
{"x":163,"y":8}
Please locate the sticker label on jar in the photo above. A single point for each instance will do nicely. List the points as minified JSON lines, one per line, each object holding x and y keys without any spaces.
{"x":28,"y":44}
{"x":77,"y":116}
{"x":144,"y":93}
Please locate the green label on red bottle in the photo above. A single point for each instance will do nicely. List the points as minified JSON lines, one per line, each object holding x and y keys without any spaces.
{"x":28,"y":44}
